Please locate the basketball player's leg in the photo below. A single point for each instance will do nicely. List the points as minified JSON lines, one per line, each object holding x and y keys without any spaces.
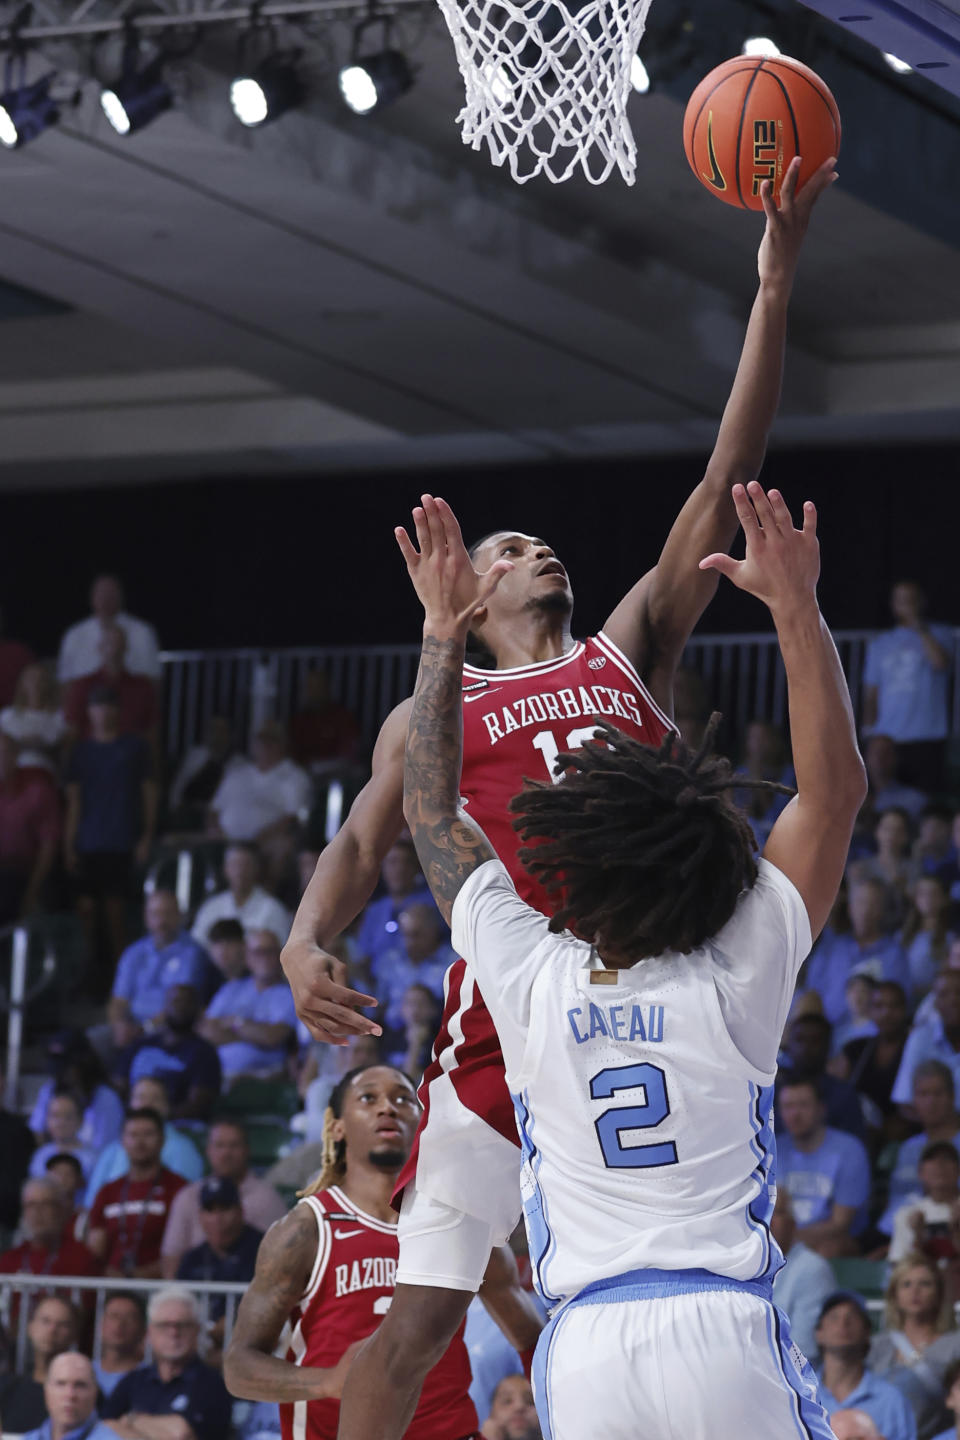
{"x":443,"y":1256}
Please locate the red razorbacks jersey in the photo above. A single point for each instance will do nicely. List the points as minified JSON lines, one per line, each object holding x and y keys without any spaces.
{"x":348,"y":1294}
{"x":516,"y":722}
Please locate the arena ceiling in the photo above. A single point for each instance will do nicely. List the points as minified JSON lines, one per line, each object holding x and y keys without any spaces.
{"x":335,"y":292}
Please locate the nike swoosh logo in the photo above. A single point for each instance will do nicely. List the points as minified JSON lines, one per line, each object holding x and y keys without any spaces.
{"x":716,"y":179}
{"x":346,"y":1234}
{"x":482,"y":696}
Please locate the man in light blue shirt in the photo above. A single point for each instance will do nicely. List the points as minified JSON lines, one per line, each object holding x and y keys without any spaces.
{"x":422,"y":957}
{"x":825,"y":1172}
{"x":937,"y":1039}
{"x":70,"y":1394}
{"x":167,"y":955}
{"x":253,"y":1021}
{"x":934,"y":1106}
{"x":843,"y":1340}
{"x":905,"y":687}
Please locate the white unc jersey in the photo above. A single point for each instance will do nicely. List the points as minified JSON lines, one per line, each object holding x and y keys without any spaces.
{"x":644,"y":1097}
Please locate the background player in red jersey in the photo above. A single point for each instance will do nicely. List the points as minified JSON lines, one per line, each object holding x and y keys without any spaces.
{"x":327,"y":1271}
{"x":469,"y":1127}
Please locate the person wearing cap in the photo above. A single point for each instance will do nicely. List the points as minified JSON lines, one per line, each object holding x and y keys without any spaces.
{"x":263,"y":799}
{"x":229,"y":1250}
{"x":843,"y":1337}
{"x":110,"y":825}
{"x":70,"y":1395}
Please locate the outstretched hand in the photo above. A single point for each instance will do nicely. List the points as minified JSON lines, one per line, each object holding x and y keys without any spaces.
{"x":450,"y":589}
{"x":781,"y":565}
{"x":786,"y":226}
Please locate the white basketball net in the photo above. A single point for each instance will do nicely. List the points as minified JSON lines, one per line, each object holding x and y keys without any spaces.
{"x":547,"y":85}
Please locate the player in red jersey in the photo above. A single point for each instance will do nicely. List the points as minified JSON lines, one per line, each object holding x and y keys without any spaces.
{"x":469,"y":1157}
{"x":325,"y":1276}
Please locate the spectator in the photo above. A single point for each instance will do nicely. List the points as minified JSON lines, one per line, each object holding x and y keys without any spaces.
{"x":934,"y":1106}
{"x":80,"y":646}
{"x":905,"y":688}
{"x":825,"y":1172}
{"x":122,"y":1331}
{"x":30,"y":827}
{"x":175,"y":1384}
{"x":891,"y":863}
{"x":179,"y":1153}
{"x":405,"y":886}
{"x":853,"y":1425}
{"x":111,"y":819}
{"x":228,"y":1155}
{"x":422,"y":958}
{"x":871,"y":1064}
{"x":322,"y":731}
{"x":926,"y":931}
{"x":16,"y":1146}
{"x":228,"y":1252}
{"x":14,"y":658}
{"x":136,"y":694}
{"x":35,"y":722}
{"x":938,"y":1039}
{"x":48,"y":1247}
{"x":203,"y":768}
{"x":227,"y":948}
{"x":128,"y":1216}
{"x":919,"y":1342}
{"x":52,"y":1329}
{"x":253,"y":1022}
{"x":323,"y":1070}
{"x":885,"y":792}
{"x":70,"y":1396}
{"x":513,"y":1414}
{"x":807,"y":1052}
{"x":187,"y":1063}
{"x":934,"y":847}
{"x":243,"y":900}
{"x":76,"y":1066}
{"x":805,"y":1280}
{"x":167,"y":955}
{"x":409,"y":1044}
{"x":64,"y":1120}
{"x":765,"y":757}
{"x":68,"y":1173}
{"x":843,"y":1339}
{"x":927,"y":1225}
{"x":869,"y":949}
{"x":859,"y":991}
{"x":263,"y":799}
{"x":951,"y":1385}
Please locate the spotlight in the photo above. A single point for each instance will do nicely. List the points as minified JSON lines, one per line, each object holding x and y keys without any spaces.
{"x":760,"y":45}
{"x":137,"y":97}
{"x":374,"y":80}
{"x":26,"y":111}
{"x":900,"y":66}
{"x":267,"y":92}
{"x":639,"y":79}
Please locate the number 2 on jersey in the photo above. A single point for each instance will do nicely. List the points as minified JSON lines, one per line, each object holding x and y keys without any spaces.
{"x":546,"y":742}
{"x":654,"y":1110}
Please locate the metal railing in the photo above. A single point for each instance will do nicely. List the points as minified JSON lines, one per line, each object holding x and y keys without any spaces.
{"x":74,"y":1287}
{"x":16,"y":996}
{"x":743,"y":676}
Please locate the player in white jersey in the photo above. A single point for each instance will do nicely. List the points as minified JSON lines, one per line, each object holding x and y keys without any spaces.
{"x":640,"y":1025}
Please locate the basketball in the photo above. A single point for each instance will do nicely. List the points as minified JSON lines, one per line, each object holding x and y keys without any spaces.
{"x":749,"y":117}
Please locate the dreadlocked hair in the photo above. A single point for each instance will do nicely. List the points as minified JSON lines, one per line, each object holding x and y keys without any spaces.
{"x":638,"y":847}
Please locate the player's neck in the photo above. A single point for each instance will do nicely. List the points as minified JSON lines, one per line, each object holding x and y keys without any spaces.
{"x":532,"y":637}
{"x":371,"y":1191}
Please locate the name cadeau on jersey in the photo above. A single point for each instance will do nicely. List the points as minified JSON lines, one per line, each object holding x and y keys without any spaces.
{"x":565,"y":704}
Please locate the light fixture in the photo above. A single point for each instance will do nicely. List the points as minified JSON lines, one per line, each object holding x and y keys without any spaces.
{"x":267,"y":91}
{"x":900,"y":66}
{"x":761,"y":45}
{"x":639,"y":79}
{"x":25,"y":110}
{"x":139,"y":94}
{"x":370,"y":81}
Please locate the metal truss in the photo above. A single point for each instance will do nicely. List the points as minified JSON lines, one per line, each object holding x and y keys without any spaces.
{"x":54,"y":20}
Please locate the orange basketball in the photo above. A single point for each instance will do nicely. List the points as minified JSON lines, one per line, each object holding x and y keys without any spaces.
{"x":748,"y":118}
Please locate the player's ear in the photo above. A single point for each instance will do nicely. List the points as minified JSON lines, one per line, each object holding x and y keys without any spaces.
{"x":338,"y":1132}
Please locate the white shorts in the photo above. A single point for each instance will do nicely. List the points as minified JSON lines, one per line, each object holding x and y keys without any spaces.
{"x":441,"y":1246}
{"x":695,"y":1366}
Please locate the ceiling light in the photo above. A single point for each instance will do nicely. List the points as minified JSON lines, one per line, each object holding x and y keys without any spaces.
{"x":374,"y":80}
{"x":895,"y":63}
{"x":761,"y":45}
{"x":272,"y":88}
{"x":136,"y":98}
{"x":26,"y":111}
{"x":639,"y":79}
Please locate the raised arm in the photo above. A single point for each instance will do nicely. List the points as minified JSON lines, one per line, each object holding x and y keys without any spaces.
{"x":653,"y":622}
{"x":810,"y":840}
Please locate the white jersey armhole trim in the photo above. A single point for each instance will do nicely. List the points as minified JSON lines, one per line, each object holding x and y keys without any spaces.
{"x":315,"y":1205}
{"x":629,"y":669}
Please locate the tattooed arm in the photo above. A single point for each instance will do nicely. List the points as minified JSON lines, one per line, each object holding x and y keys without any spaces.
{"x":250,"y":1368}
{"x":449,"y":844}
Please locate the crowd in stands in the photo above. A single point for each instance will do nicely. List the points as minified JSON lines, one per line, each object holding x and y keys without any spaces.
{"x":135,"y":1160}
